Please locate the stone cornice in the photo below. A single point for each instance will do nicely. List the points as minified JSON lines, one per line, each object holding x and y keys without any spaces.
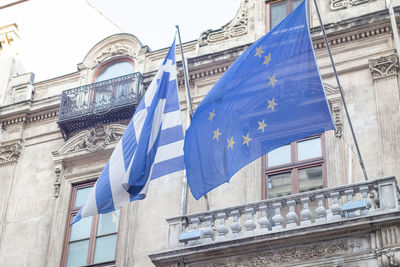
{"x":278,"y":239}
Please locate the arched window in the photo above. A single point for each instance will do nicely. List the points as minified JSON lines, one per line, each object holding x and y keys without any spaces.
{"x":114,"y":69}
{"x":104,"y":93}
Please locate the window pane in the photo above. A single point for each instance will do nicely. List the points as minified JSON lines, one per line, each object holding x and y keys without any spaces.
{"x":115,"y":70}
{"x":279,"y":156}
{"x":279,"y":185}
{"x":108,"y":223}
{"x":81,"y":229}
{"x":82,"y":195}
{"x":278,"y":13}
{"x":77,"y":253}
{"x":310,"y":179}
{"x":105,"y":248}
{"x":296,"y":3}
{"x":309,"y":149}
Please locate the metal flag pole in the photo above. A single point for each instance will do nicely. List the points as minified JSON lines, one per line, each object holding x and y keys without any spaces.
{"x":394,"y":26}
{"x":190,"y":107}
{"x":341,"y":94}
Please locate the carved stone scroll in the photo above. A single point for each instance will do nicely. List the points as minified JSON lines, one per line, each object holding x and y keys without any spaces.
{"x":384,"y":66}
{"x":237,"y":27}
{"x":342,"y":4}
{"x":10,"y":153}
{"x":120,"y":49}
{"x":57,"y":182}
{"x":337,"y":117}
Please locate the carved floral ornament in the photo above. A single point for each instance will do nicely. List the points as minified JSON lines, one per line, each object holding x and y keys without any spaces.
{"x":342,"y":4}
{"x":289,"y":255}
{"x":94,"y":139}
{"x":237,"y":27}
{"x":113,"y":50}
{"x":384,"y":66}
{"x":10,"y":153}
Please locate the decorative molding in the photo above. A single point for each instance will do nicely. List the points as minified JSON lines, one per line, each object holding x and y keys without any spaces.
{"x":384,"y":66}
{"x":342,"y":4}
{"x":30,"y":119}
{"x":115,"y":49}
{"x":337,"y":116}
{"x":92,"y":140}
{"x":350,"y":37}
{"x":290,"y":255}
{"x":57,"y":182}
{"x":237,"y":27}
{"x":9,"y":154}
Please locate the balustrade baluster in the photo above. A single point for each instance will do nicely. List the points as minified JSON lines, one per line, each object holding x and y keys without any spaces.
{"x":364,"y":190}
{"x":291,"y":217}
{"x":196,"y":224}
{"x":305,"y":214}
{"x":235,"y":225}
{"x":263,"y":221}
{"x":278,"y":219}
{"x":249,"y":223}
{"x":335,"y":207}
{"x":320,"y":210}
{"x":222,"y":229}
{"x":208,"y":231}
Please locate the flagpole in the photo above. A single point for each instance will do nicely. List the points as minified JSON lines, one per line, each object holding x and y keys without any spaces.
{"x":341,"y":93}
{"x":190,"y":107}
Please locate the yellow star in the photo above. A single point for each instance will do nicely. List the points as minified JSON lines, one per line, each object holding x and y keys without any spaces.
{"x":267,"y":59}
{"x":261,"y":125}
{"x":230,"y":142}
{"x":272,"y":104}
{"x":272,"y":80}
{"x":216,"y":134}
{"x":246,"y":139}
{"x":212,"y":115}
{"x":259,"y":51}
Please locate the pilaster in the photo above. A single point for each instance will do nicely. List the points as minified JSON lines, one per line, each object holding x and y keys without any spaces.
{"x":384,"y":72}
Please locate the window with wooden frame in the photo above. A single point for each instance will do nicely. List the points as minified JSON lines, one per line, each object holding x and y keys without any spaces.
{"x":294,"y":168}
{"x":113,"y":69}
{"x":92,"y":240}
{"x":278,"y":10}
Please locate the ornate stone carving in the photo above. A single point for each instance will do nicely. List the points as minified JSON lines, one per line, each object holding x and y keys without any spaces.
{"x":342,"y":4}
{"x":237,"y":27}
{"x":290,"y":255}
{"x":94,"y":139}
{"x":97,"y":138}
{"x":337,"y":117}
{"x":10,"y":153}
{"x":57,"y":182}
{"x":113,"y":50}
{"x":384,"y":66}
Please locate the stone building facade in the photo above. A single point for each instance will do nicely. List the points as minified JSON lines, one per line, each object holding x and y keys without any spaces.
{"x":56,"y":136}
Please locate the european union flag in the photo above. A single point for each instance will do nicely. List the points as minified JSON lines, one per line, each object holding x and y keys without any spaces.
{"x":271,"y":96}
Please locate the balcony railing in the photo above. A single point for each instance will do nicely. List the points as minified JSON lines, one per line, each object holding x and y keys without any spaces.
{"x":328,"y":205}
{"x":104,"y":101}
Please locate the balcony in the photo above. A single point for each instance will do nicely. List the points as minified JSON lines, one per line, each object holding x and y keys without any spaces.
{"x":349,"y":225}
{"x":106,"y":101}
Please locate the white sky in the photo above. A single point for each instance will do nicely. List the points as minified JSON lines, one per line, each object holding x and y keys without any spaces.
{"x":57,"y":34}
{"x":153,"y":22}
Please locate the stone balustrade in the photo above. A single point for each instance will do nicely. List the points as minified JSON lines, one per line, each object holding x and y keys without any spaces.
{"x":281,"y":214}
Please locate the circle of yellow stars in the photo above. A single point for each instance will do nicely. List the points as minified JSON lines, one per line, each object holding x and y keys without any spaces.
{"x":271,"y":105}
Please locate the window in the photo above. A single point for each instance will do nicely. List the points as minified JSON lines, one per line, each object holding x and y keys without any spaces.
{"x":93,"y":239}
{"x":114,"y":69}
{"x":295,"y":168}
{"x":278,"y":10}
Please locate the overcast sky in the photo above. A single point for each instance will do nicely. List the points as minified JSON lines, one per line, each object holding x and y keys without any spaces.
{"x":57,"y":34}
{"x":153,"y":22}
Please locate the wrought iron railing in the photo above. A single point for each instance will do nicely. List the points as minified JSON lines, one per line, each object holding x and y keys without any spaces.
{"x":102,"y":102}
{"x":100,"y":97}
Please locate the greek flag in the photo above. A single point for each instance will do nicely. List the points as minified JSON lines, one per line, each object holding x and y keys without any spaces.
{"x":151,"y":146}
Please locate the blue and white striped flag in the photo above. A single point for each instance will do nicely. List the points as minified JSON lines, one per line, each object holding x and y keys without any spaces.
{"x":151,"y":146}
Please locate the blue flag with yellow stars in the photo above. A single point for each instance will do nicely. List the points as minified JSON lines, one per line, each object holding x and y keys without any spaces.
{"x":271,"y":96}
